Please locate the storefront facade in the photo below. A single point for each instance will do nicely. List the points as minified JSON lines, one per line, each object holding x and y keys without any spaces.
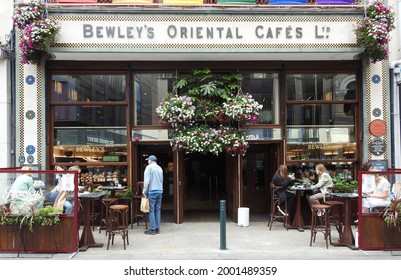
{"x":94,"y":103}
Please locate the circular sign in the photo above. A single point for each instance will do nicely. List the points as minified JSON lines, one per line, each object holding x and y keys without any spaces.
{"x":377,"y":128}
{"x":377,"y":146}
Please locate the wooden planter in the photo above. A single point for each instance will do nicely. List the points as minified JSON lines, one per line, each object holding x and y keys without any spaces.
{"x":376,"y":234}
{"x":59,"y":238}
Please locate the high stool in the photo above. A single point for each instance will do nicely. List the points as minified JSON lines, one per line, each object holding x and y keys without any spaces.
{"x":118,"y":223}
{"x":106,"y":202}
{"x":274,"y":213}
{"x":323,"y":225}
{"x":336,"y":215}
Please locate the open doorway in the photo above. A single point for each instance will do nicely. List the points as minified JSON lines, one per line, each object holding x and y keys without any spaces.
{"x":205,"y":186}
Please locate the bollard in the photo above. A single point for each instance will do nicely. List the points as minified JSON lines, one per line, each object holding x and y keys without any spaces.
{"x":223,"y":225}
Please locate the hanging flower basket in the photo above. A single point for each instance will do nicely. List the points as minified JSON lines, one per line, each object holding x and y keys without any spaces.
{"x":374,"y":31}
{"x":207,"y":114}
{"x":27,"y":12}
{"x":205,"y":139}
{"x":38,"y":32}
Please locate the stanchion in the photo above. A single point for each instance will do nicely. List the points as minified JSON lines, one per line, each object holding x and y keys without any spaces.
{"x":223,"y":225}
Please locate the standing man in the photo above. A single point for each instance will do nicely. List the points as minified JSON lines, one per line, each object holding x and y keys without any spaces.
{"x":153,"y":189}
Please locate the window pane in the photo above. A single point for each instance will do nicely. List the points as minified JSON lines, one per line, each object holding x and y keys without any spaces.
{"x":91,"y":145}
{"x":149,"y":91}
{"x":321,"y":87}
{"x":89,"y":115}
{"x":321,"y":143}
{"x":327,"y":114}
{"x":88,"y":88}
{"x":264,"y":89}
{"x":90,"y":136}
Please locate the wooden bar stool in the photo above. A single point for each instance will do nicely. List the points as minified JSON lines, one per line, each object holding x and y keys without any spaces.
{"x":274,"y":212}
{"x":320,"y":223}
{"x":336,"y":215}
{"x":106,"y":202}
{"x":118,"y":223}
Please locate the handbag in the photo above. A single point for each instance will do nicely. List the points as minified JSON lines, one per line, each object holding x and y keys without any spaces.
{"x":144,"y":204}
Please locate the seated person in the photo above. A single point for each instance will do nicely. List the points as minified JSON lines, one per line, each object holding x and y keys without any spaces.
{"x":22,"y":195}
{"x":58,"y":195}
{"x":281,"y":178}
{"x":379,"y":196}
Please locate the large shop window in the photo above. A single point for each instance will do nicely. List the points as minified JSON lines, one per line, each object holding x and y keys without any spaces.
{"x":90,"y":125}
{"x":149,"y":90}
{"x":321,"y":119}
{"x":264,"y":88}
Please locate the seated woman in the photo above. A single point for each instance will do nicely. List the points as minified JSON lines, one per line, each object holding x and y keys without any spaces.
{"x":281,"y":178}
{"x":379,"y":196}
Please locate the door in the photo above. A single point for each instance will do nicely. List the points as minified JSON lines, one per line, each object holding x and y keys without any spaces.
{"x":258,"y":167}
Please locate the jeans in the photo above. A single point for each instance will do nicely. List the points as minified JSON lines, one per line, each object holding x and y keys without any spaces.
{"x":155,"y":204}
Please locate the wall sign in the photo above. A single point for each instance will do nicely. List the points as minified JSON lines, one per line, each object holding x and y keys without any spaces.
{"x":215,"y":31}
{"x":379,"y":165}
{"x":377,"y":128}
{"x":377,"y":146}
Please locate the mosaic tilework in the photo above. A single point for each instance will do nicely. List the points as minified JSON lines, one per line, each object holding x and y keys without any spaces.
{"x":39,"y":110}
{"x":376,"y":79}
{"x":200,"y":46}
{"x":31,"y":148}
{"x":21,"y":110}
{"x":177,"y":18}
{"x":384,"y":96}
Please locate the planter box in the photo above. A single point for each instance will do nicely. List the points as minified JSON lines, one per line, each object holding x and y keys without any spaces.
{"x":375,"y":234}
{"x":60,"y":238}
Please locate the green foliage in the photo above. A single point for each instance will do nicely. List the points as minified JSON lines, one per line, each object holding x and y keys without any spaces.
{"x":343,"y":185}
{"x":128,"y":194}
{"x":206,"y":110}
{"x":46,"y":216}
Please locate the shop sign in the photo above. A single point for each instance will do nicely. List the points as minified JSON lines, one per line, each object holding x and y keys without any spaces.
{"x":153,"y":32}
{"x":377,"y":146}
{"x":110,"y":158}
{"x":377,"y":128}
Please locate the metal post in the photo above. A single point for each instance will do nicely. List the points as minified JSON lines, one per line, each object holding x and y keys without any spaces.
{"x":223,"y":225}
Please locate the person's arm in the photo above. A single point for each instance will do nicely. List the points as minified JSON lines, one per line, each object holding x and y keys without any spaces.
{"x":322,"y":181}
{"x":146,"y":181}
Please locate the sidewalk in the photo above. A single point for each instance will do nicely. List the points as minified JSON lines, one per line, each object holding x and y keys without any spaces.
{"x":194,"y":240}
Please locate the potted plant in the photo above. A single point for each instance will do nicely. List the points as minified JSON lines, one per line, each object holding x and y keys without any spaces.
{"x":374,"y":30}
{"x":38,"y":32}
{"x":207,"y":112}
{"x":344,"y":185}
{"x":46,"y":216}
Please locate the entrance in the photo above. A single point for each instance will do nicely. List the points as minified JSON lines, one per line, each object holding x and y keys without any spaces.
{"x":205,"y":185}
{"x":258,"y":168}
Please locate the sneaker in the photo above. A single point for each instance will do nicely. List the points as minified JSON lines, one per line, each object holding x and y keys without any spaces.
{"x":157,"y":231}
{"x":281,"y":211}
{"x":150,"y":232}
{"x":320,"y":213}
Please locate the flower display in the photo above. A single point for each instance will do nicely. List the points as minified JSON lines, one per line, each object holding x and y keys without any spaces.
{"x":207,"y":114}
{"x":206,"y":139}
{"x":38,"y":32}
{"x":374,"y":31}
{"x":242,"y":108}
{"x":176,"y":110}
{"x":27,"y":12}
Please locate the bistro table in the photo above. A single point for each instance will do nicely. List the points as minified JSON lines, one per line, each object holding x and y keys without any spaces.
{"x":298,"y":221}
{"x":112,"y":189}
{"x":87,"y":240}
{"x":347,"y":237}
